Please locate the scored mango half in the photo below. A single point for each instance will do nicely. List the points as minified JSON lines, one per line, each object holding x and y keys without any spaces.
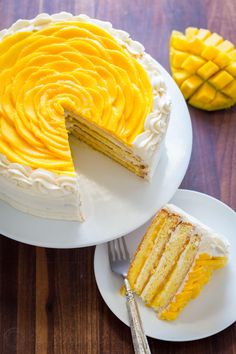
{"x":203,"y":65}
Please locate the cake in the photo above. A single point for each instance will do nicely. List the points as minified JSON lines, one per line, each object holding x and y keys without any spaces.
{"x":174,"y":261}
{"x":65,"y":74}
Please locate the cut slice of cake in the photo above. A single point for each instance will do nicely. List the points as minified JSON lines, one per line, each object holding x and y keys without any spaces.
{"x":174,"y":260}
{"x":63,"y":74}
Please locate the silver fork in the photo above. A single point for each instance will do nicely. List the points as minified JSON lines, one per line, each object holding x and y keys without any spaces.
{"x":119,"y":261}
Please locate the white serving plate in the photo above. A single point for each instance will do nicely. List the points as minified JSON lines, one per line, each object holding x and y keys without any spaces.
{"x":213,"y":310}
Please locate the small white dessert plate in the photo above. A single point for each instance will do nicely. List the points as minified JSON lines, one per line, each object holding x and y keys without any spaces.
{"x":213,"y":310}
{"x":116,"y":202}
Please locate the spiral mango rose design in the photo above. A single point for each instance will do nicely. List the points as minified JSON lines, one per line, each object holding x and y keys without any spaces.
{"x":68,"y":66}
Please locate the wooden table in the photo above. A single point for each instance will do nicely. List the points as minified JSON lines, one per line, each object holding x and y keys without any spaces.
{"x":49,"y":302}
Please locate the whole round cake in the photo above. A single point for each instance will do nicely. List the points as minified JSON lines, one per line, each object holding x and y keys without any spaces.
{"x":63,"y":74}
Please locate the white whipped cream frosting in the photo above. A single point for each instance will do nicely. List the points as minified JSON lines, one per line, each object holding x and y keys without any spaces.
{"x":147,"y":145}
{"x":214,"y":244}
{"x":39,"y":180}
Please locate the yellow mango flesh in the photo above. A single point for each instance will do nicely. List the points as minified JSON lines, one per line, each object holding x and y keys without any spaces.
{"x":200,"y":274}
{"x":72,"y":66}
{"x":203,"y":65}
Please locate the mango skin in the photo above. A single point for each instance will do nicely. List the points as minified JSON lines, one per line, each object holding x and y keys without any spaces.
{"x":203,"y":65}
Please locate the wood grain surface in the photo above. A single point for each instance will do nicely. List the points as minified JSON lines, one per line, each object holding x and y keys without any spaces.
{"x":49,"y":302}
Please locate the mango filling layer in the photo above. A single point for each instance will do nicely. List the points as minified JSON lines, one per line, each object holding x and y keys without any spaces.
{"x":72,"y":66}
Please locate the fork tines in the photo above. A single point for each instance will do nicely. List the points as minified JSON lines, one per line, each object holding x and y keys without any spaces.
{"x":118,"y":249}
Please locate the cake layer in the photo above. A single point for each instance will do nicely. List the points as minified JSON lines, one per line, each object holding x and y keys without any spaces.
{"x":99,"y":133}
{"x":101,"y":142}
{"x":97,"y":145}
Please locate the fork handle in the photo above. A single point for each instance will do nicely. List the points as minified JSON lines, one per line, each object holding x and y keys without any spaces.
{"x":140,"y":342}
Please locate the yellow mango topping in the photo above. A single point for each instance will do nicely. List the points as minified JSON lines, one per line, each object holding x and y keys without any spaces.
{"x":203,"y":65}
{"x":68,"y":66}
{"x":200,"y":274}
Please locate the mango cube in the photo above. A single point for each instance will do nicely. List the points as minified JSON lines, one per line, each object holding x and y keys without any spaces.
{"x":231,"y":69}
{"x":190,"y":85}
{"x":192,"y":63}
{"x":179,"y":42}
{"x":178,"y":58}
{"x":207,"y":70}
{"x":180,"y":76}
{"x":213,"y":39}
{"x":191,"y":32}
{"x":203,"y":33}
{"x":221,"y":79}
{"x":210,"y":52}
{"x":225,"y":46}
{"x":220,"y":100}
{"x":232,"y":55}
{"x":230,"y":89}
{"x":197,"y":46}
{"x":222,"y":60}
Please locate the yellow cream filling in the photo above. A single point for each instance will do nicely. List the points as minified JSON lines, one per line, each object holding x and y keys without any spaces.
{"x":74,"y":66}
{"x":197,"y":278}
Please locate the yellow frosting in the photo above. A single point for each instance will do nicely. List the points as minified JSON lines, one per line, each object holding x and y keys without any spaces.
{"x":73,"y":66}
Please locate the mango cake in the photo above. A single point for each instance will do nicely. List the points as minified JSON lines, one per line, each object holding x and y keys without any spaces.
{"x":65,"y":74}
{"x":174,"y":261}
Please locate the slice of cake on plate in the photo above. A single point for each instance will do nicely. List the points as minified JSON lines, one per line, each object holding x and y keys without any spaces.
{"x":174,"y":260}
{"x":65,"y":74}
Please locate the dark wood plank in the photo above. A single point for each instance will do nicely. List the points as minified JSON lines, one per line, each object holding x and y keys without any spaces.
{"x":8,"y":294}
{"x":49,"y":302}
